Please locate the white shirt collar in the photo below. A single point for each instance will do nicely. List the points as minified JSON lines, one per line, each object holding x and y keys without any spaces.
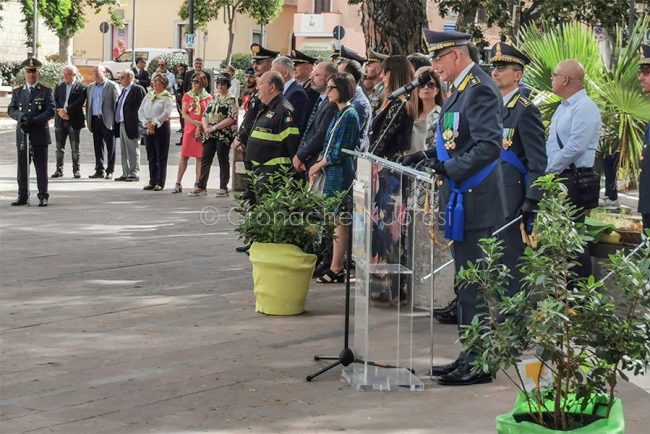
{"x":507,"y":97}
{"x":288,"y":83}
{"x":463,"y":74}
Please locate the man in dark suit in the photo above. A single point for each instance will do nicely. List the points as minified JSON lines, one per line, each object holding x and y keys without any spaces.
{"x":198,"y":67}
{"x":100,"y":119}
{"x":32,"y":106}
{"x":467,"y":156}
{"x":293,"y":92}
{"x":140,"y":72}
{"x":523,"y":153}
{"x":644,"y":170}
{"x":127,"y":126}
{"x":69,"y":98}
{"x":304,"y":67}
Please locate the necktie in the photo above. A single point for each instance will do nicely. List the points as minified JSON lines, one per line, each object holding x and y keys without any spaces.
{"x":29,"y":88}
{"x":120,"y":102}
{"x":314,"y":113}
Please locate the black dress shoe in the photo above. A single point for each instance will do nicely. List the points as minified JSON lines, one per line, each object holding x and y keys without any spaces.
{"x":42,"y":202}
{"x":109,"y":176}
{"x":57,"y":174}
{"x":243,"y":249}
{"x":462,"y":376}
{"x":132,"y":179}
{"x":121,"y":178}
{"x":149,"y":187}
{"x":20,"y":202}
{"x":451,"y":307}
{"x":77,"y":174}
{"x":438,"y":370}
{"x":446,"y":318}
{"x":97,"y":175}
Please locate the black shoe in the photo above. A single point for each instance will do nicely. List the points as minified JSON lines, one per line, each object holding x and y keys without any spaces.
{"x":20,"y":202}
{"x":451,"y":307}
{"x":77,"y":174}
{"x":149,"y":187}
{"x":462,"y":376}
{"x":243,"y":249}
{"x":57,"y":174}
{"x":179,"y":143}
{"x":97,"y":175}
{"x":109,"y":176}
{"x":121,"y":178}
{"x":438,"y":370}
{"x":42,"y":202}
{"x":132,"y":179}
{"x":446,"y":318}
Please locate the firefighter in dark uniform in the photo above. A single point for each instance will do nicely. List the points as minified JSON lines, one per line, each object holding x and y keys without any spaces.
{"x":644,"y":169}
{"x":523,"y":154}
{"x":466,"y":155}
{"x":274,"y":136}
{"x":303,"y":61}
{"x":32,"y":106}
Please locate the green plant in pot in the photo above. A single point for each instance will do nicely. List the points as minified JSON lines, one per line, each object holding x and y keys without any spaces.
{"x":287,"y":226}
{"x":580,"y":333}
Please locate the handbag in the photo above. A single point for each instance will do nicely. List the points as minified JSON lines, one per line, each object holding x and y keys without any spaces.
{"x":583,"y":184}
{"x":317,"y":185}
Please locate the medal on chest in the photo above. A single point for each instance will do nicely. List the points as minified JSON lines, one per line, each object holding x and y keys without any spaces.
{"x":508,"y":134}
{"x":450,"y":129}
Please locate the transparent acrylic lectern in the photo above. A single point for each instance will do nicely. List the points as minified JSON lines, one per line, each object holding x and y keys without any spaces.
{"x":393,"y":247}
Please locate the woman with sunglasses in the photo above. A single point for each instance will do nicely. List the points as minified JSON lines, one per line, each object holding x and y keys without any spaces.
{"x":154,"y":113}
{"x":194,"y":104}
{"x":343,"y":132}
{"x":392,"y":123}
{"x":429,"y":106}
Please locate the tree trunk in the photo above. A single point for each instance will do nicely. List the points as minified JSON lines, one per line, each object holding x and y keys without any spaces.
{"x":394,"y":26}
{"x":230,"y":17}
{"x":65,"y":49}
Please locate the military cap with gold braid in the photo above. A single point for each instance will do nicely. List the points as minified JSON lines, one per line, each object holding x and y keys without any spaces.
{"x":350,"y":54}
{"x":261,"y":53}
{"x":374,"y":56}
{"x":31,"y":63}
{"x":335,"y":55}
{"x":507,"y":54}
{"x":645,"y":55}
{"x":436,"y":41}
{"x":299,"y":57}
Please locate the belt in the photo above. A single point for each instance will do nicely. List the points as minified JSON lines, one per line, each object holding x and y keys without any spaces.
{"x":97,"y":116}
{"x":577,"y":169}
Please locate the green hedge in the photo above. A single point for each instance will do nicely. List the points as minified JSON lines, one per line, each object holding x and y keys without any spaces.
{"x":8,"y":70}
{"x":173,"y":60}
{"x":50,"y":74}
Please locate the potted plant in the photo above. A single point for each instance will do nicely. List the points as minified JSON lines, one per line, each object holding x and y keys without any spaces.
{"x":583,"y":336}
{"x":287,"y":226}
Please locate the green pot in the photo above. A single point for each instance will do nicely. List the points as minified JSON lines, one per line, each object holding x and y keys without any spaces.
{"x":614,"y":424}
{"x":281,"y":278}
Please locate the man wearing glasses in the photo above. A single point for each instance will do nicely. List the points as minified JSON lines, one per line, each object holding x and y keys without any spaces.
{"x":32,"y":106}
{"x":573,"y":138}
{"x":466,"y":156}
{"x":644,"y":178}
{"x":523,"y":153}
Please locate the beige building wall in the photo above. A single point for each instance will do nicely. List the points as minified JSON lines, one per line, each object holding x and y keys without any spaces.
{"x":159,"y":26}
{"x":12,"y":42}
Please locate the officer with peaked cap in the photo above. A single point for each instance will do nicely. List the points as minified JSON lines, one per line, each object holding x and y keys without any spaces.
{"x":32,"y":106}
{"x":466,"y":154}
{"x":644,"y":170}
{"x":350,"y":54}
{"x":334,"y":57}
{"x":372,"y":78}
{"x":304,"y":66}
{"x":523,"y":153}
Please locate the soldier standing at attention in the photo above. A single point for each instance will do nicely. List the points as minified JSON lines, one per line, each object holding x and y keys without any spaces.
{"x":644,"y":177}
{"x":304,"y":67}
{"x":470,"y":136}
{"x":523,"y":156}
{"x":32,"y":106}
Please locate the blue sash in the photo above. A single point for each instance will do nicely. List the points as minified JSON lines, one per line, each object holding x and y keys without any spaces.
{"x":511,"y":158}
{"x":455,"y":212}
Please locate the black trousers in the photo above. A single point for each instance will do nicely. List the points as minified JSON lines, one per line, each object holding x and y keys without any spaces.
{"x":210,"y":147}
{"x":39,"y":157}
{"x":610,"y":167}
{"x":157,"y":146}
{"x":646,"y":221}
{"x":102,"y":136}
{"x":61,"y":135}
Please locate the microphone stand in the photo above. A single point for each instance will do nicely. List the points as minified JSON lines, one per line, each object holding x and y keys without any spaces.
{"x":346,"y":356}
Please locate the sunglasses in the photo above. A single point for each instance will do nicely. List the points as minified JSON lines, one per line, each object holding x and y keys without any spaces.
{"x":196,"y":82}
{"x":332,"y":87}
{"x":431,"y":85}
{"x":440,"y":56}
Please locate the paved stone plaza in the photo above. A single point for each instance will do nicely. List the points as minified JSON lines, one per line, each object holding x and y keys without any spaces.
{"x":123,"y":313}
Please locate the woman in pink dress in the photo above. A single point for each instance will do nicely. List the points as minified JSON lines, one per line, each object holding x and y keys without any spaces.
{"x":194,"y":103}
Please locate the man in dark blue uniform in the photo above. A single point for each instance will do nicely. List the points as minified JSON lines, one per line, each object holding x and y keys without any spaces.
{"x":304,"y":67}
{"x":523,"y":153}
{"x":466,"y":155}
{"x":32,"y":106}
{"x":644,"y":170}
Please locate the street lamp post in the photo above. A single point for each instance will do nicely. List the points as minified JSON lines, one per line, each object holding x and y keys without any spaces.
{"x":133,"y":37}
{"x":190,"y":17}
{"x":35,"y":30}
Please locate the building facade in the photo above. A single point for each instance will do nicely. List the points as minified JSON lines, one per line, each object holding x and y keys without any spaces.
{"x":12,"y":43}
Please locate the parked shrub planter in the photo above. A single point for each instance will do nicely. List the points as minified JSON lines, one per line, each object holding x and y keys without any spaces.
{"x":517,"y":421}
{"x":281,"y":278}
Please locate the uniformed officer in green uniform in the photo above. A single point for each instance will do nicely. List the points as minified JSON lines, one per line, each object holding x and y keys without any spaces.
{"x":644,"y":170}
{"x":32,"y":106}
{"x":523,"y":153}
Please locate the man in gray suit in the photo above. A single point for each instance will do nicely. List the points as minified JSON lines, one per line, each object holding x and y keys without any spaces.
{"x":100,"y":119}
{"x":467,"y":155}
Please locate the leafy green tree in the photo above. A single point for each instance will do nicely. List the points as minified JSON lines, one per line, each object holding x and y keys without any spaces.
{"x":606,"y":13}
{"x":262,"y":11}
{"x":65,"y":18}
